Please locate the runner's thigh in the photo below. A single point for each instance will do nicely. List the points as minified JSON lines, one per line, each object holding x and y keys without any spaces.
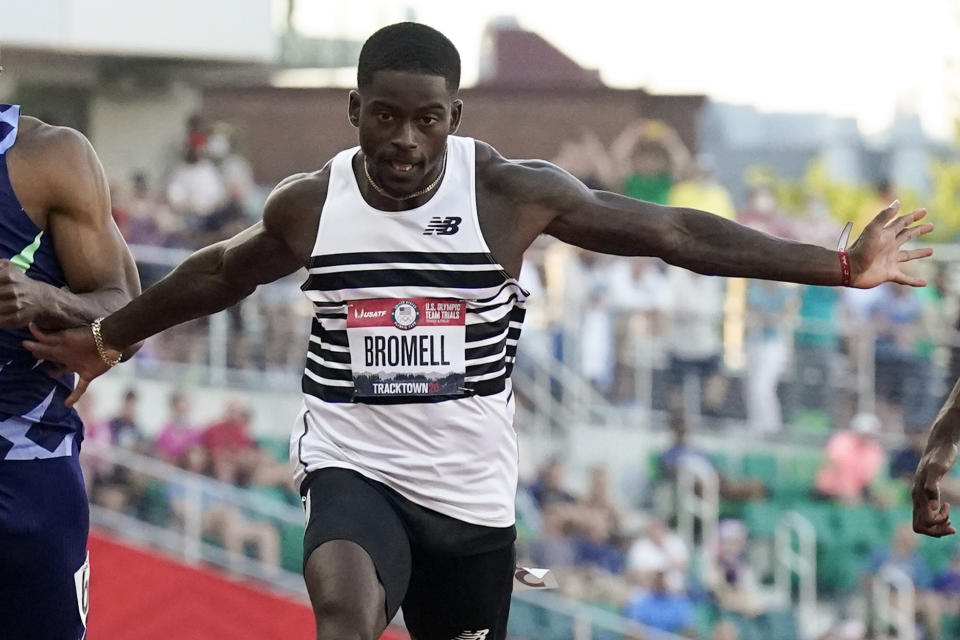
{"x":342,"y":506}
{"x":460,"y":598}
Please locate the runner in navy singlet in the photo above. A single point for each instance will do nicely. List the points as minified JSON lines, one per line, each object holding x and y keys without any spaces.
{"x":63,"y":263}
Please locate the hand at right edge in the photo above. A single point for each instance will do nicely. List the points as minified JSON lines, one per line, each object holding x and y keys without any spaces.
{"x":931,"y":517}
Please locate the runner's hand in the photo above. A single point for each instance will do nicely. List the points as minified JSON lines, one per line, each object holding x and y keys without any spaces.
{"x":75,"y":350}
{"x":931,"y":517}
{"x":877,"y":255}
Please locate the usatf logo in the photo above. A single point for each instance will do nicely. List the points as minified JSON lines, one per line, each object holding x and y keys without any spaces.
{"x":443,"y":226}
{"x":405,"y":315}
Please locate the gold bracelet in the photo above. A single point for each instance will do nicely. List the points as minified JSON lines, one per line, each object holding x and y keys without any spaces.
{"x":101,"y":349}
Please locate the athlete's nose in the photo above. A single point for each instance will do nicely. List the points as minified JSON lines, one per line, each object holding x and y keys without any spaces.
{"x":405,"y":136}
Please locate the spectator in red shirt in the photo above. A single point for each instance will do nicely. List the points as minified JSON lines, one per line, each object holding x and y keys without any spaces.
{"x":233,"y":454}
{"x":231,"y":433}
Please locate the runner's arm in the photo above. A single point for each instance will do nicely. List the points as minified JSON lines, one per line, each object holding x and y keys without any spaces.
{"x":216,"y":277}
{"x":700,"y":241}
{"x":100,"y":273}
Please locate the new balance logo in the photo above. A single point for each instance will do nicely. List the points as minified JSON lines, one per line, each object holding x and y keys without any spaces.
{"x":473,"y":635}
{"x":443,"y":227}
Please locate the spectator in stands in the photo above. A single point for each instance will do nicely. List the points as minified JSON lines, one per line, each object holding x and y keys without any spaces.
{"x":149,"y":221}
{"x":730,"y":488}
{"x":235,"y":457}
{"x":768,"y":309}
{"x":763,"y":213}
{"x":178,"y":435}
{"x":644,"y":161}
{"x":585,"y":158}
{"x":224,"y":521}
{"x":896,"y":317}
{"x":693,"y":341}
{"x":853,"y":460}
{"x":729,"y":575}
{"x":125,"y":430}
{"x":597,"y":350}
{"x":702,"y":191}
{"x":550,"y":486}
{"x":947,"y":584}
{"x":232,"y":451}
{"x":116,"y":486}
{"x":849,"y":629}
{"x":638,"y":295}
{"x":902,"y":555}
{"x":96,"y":439}
{"x":654,"y":157}
{"x":593,"y":542}
{"x":554,"y":547}
{"x":598,"y":503}
{"x":197,"y":133}
{"x":237,"y":178}
{"x":661,"y":607}
{"x":196,"y":192}
{"x":659,"y":550}
{"x":816,"y":344}
{"x":725,"y":630}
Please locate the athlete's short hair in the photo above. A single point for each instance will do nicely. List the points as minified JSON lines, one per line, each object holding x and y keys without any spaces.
{"x":409,"y":46}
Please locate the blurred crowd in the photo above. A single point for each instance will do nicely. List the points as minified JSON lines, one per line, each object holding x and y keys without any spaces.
{"x":627,"y":555}
{"x":223,"y":450}
{"x":206,"y":195}
{"x":642,"y":331}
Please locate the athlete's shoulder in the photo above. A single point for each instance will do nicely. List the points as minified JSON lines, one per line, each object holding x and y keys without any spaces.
{"x":52,"y":143}
{"x":297,"y":197}
{"x":525,"y":179}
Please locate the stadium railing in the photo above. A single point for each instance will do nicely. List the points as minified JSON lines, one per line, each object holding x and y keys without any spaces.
{"x":535,"y":614}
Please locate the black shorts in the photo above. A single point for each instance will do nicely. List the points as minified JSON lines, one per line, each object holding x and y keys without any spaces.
{"x":453,"y":579}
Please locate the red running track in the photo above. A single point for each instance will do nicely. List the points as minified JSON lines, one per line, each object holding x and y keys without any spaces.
{"x":142,"y":595}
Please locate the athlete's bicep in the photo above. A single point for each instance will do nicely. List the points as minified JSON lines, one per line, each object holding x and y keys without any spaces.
{"x":595,"y":220}
{"x":274,"y":247}
{"x":88,"y":244}
{"x":256,"y":256}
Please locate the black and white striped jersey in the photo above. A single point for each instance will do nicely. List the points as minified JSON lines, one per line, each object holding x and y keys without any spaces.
{"x":407,"y":378}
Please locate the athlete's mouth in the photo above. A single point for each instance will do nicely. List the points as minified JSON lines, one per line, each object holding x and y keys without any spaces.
{"x":402,"y":167}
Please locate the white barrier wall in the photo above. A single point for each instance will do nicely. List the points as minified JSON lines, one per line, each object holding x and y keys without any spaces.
{"x":273,"y":412}
{"x":215,"y":29}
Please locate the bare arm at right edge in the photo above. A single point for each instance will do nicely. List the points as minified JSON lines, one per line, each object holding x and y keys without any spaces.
{"x":209,"y":280}
{"x":931,"y":516}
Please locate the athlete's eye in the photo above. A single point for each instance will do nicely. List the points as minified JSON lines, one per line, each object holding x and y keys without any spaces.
{"x":383,"y":116}
{"x":429,"y":120}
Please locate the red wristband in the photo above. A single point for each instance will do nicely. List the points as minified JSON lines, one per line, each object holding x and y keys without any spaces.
{"x":844,"y":268}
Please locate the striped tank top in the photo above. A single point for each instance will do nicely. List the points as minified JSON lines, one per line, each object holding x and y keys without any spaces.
{"x":407,"y":378}
{"x":34,"y":423}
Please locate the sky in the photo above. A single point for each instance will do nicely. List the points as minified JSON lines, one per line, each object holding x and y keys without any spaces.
{"x":859,"y":58}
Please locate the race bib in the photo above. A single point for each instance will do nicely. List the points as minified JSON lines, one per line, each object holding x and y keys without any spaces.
{"x":81,"y":580}
{"x":407,"y":347}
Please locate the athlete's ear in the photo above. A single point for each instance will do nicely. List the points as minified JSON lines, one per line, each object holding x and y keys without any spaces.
{"x":353,"y":108}
{"x":456,"y":111}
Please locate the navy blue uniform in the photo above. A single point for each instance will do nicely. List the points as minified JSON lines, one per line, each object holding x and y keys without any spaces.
{"x":44,"y":518}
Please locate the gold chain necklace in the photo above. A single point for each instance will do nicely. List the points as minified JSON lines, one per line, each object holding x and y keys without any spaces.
{"x":427,"y":189}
